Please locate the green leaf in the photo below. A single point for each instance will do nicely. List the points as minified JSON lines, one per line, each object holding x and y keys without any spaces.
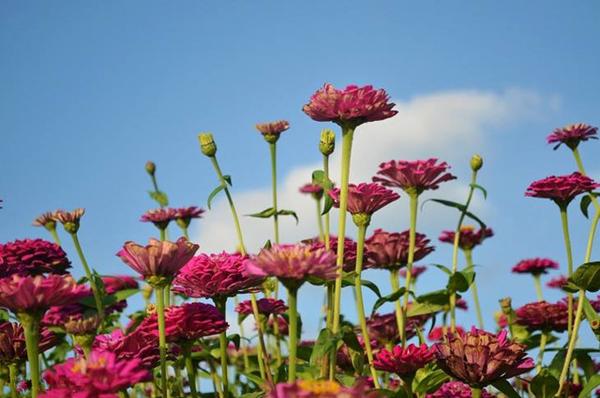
{"x":482,"y":189}
{"x":227,"y":179}
{"x":348,"y":280}
{"x":431,"y":382}
{"x":319,"y":178}
{"x":159,"y":197}
{"x":533,"y":341}
{"x":266,"y":213}
{"x":254,"y":378}
{"x":212,"y":195}
{"x":390,"y":298}
{"x":445,"y":269}
{"x":460,"y":281}
{"x":544,"y":385}
{"x":325,"y":344}
{"x":3,"y":315}
{"x":586,"y":363}
{"x":288,"y":213}
{"x":460,"y":207}
{"x":587,"y":276}
{"x":592,"y":383}
{"x":584,"y":204}
{"x":505,"y":388}
{"x":327,"y":205}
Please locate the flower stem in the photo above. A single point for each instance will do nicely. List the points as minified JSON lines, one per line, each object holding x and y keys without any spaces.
{"x":475,"y":392}
{"x":394,"y":282}
{"x":293,"y":332}
{"x":273,"y":151}
{"x":191,"y":369}
{"x":572,"y":341}
{"x":12,"y":374}
{"x":469,"y":260}
{"x":320,"y":221}
{"x":327,"y":224}
{"x":31,"y":327}
{"x":88,"y":274}
{"x":263,"y":361}
{"x":347,"y":136}
{"x":412,"y":237}
{"x":565,"y":228}
{"x":360,"y":305}
{"x":162,"y":339}
{"x":594,"y":224}
{"x":55,"y":236}
{"x":543,"y":341}
{"x":221,"y":305}
{"x":538,"y":286}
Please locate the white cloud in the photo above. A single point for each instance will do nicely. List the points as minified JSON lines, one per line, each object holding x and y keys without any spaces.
{"x":449,"y":125}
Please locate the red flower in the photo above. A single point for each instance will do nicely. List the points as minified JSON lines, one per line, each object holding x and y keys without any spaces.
{"x":364,"y":198}
{"x":214,"y":276}
{"x":355,"y":105}
{"x":543,"y":316}
{"x":535,"y":266}
{"x":266,"y":306}
{"x":159,"y":217}
{"x":456,"y":389}
{"x":413,"y":176}
{"x":312,"y":189}
{"x":572,"y":135}
{"x":557,"y":283}
{"x":403,"y":361}
{"x":349,"y":250}
{"x":389,"y":250}
{"x":469,"y":237}
{"x":561,"y":189}
{"x":12,"y":342}
{"x":139,"y":345}
{"x":416,"y":271}
{"x":32,"y":257}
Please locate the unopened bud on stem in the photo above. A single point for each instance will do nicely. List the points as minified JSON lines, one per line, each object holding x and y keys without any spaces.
{"x":327,"y":143}
{"x":476,"y":162}
{"x":207,"y":144}
{"x":150,"y":167}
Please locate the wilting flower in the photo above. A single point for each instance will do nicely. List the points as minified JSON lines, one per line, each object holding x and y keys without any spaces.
{"x":561,"y":189}
{"x":479,"y":358}
{"x":469,"y":237}
{"x":292,"y":264}
{"x":403,"y":361}
{"x":159,"y":217}
{"x":543,"y":316}
{"x":32,"y":257}
{"x":45,"y":220}
{"x":558,"y":282}
{"x":535,"y":266}
{"x":417,"y":270}
{"x":69,"y":219}
{"x":215,"y":276}
{"x":354,"y":105}
{"x":82,"y":326}
{"x":272,"y":130}
{"x":184,"y":215}
{"x":364,"y":198}
{"x":100,"y":373}
{"x":12,"y":342}
{"x":318,"y":389}
{"x":266,"y":306}
{"x":439,"y":332}
{"x":456,"y":389}
{"x":384,"y":328}
{"x":312,"y":189}
{"x":116,"y":283}
{"x":38,"y":293}
{"x":413,"y":176}
{"x":572,"y":135}
{"x":162,"y":259}
{"x":389,"y":250}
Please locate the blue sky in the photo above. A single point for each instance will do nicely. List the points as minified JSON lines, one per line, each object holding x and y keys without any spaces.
{"x":91,"y":91}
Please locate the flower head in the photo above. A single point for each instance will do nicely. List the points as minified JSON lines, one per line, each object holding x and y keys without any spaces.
{"x":456,"y":389}
{"x":266,"y":306}
{"x":184,"y":215}
{"x":535,"y":266}
{"x":384,"y":328}
{"x":158,"y":258}
{"x":479,"y":358}
{"x":45,"y":220}
{"x":389,"y":250}
{"x":139,"y":345}
{"x":439,"y":332}
{"x":543,"y":316}
{"x":215,"y":275}
{"x":558,"y":282}
{"x":32,"y":257}
{"x":318,"y":389}
{"x":349,"y":249}
{"x":469,"y":237}
{"x":69,"y":219}
{"x":417,"y":270}
{"x":12,"y":342}
{"x":404,"y":361}
{"x":315,"y":190}
{"x":572,"y":135}
{"x":364,"y":198}
{"x":413,"y":176}
{"x":292,"y":264}
{"x":561,"y":189}
{"x":272,"y":130}
{"x":354,"y":105}
{"x":159,"y":217}
{"x":116,"y":283}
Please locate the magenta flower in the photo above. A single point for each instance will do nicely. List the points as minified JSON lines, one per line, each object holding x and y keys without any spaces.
{"x":116,"y":283}
{"x":479,"y":358}
{"x":163,"y":259}
{"x":558,"y":283}
{"x":138,"y":345}
{"x":439,"y":332}
{"x":292,"y":264}
{"x":215,"y":276}
{"x":349,"y":250}
{"x":32,"y":257}
{"x":417,"y":270}
{"x":535,"y":266}
{"x":354,"y":105}
{"x":543,"y":316}
{"x":561,"y":189}
{"x":364,"y":198}
{"x":159,"y":217}
{"x":266,"y":307}
{"x":389,"y":250}
{"x":469,"y":237}
{"x":319,"y":389}
{"x":312,"y":189}
{"x":456,"y":389}
{"x":572,"y":135}
{"x":413,"y":176}
{"x":184,"y":215}
{"x":282,"y":325}
{"x":38,"y":293}
{"x":272,"y":130}
{"x":12,"y":342}
{"x":404,"y":361}
{"x":384,"y":328}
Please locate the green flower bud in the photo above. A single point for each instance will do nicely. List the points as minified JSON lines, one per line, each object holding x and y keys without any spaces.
{"x":361,"y":219}
{"x":327,"y":143}
{"x":207,"y":144}
{"x":150,"y":167}
{"x":476,"y":162}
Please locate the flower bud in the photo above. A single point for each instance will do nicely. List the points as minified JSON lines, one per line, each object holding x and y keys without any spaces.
{"x":150,"y":167}
{"x":327,"y":143}
{"x":207,"y":144}
{"x":476,"y":162}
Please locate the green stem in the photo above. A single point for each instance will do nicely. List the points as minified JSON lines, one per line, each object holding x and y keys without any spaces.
{"x":12,"y":375}
{"x":191,"y":370}
{"x":538,"y":287}
{"x":320,"y":221}
{"x":293,"y":332}
{"x":162,"y":339}
{"x":591,"y":235}
{"x":412,"y":238}
{"x":31,"y":327}
{"x":475,"y":392}
{"x":263,"y":362}
{"x":395,"y":284}
{"x":469,"y":260}
{"x":221,"y":305}
{"x":215,"y":378}
{"x":543,"y":341}
{"x":88,"y":274}
{"x":572,"y":340}
{"x":273,"y":151}
{"x":360,"y":305}
{"x":55,"y":236}
{"x":565,"y":228}
{"x":185,"y":232}
{"x":327,"y":223}
{"x":347,"y":135}
{"x":163,"y":234}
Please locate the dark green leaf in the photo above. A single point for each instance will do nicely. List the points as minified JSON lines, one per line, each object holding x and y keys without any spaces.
{"x":266,"y":213}
{"x":584,"y":204}
{"x":227,"y":178}
{"x":533,"y":341}
{"x":212,"y":195}
{"x":460,"y":281}
{"x":288,"y":213}
{"x":586,"y":363}
{"x":327,"y":205}
{"x":482,"y":189}
{"x":544,"y":385}
{"x":587,"y":276}
{"x":325,"y":344}
{"x":390,"y":298}
{"x":592,"y":383}
{"x":431,"y":382}
{"x":445,"y":269}
{"x":505,"y":388}
{"x":235,"y":339}
{"x":348,"y":280}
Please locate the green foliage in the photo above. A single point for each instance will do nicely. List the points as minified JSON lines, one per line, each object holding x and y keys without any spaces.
{"x":544,"y":385}
{"x":587,"y":276}
{"x":159,"y":197}
{"x":459,"y":206}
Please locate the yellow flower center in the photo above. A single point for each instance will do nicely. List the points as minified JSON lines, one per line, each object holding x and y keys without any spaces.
{"x":319,"y":386}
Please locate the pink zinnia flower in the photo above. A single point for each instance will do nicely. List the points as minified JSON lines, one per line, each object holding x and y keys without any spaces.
{"x":266,"y":306}
{"x":364,"y":198}
{"x":543,"y":316}
{"x":272,"y":130}
{"x":439,"y":332}
{"x":32,"y":257}
{"x":572,"y":135}
{"x":535,"y":266}
{"x":479,"y":358}
{"x":139,"y":345}
{"x":389,"y":250}
{"x":469,"y":237}
{"x":159,"y":217}
{"x":158,"y":258}
{"x":403,"y":361}
{"x":312,"y":189}
{"x":557,"y":283}
{"x":456,"y":389}
{"x":292,"y":264}
{"x":561,"y":189}
{"x":38,"y":293}
{"x":116,"y":283}
{"x":417,"y":270}
{"x":215,"y":276}
{"x":349,"y":249}
{"x":413,"y":176}
{"x":384,"y":328}
{"x":12,"y":342}
{"x":354,"y":105}
{"x":184,"y":215}
{"x":319,"y":389}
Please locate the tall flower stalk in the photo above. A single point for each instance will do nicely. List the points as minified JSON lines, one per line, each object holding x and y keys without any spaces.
{"x":31,"y":327}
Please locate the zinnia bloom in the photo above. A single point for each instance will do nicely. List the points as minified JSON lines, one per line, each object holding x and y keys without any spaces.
{"x":116,"y":283}
{"x":416,"y":271}
{"x":535,"y":266}
{"x":413,"y":176}
{"x":561,"y":189}
{"x":543,"y":316}
{"x":158,"y":258}
{"x":354,"y":105}
{"x":479,"y":358}
{"x":184,"y":215}
{"x":45,"y":220}
{"x":403,"y":361}
{"x":557,"y":283}
{"x":140,"y":345}
{"x":266,"y":306}
{"x":364,"y":198}
{"x":318,"y":389}
{"x":438,"y":332}
{"x":469,"y":237}
{"x":69,"y":219}
{"x":312,"y":189}
{"x":215,"y":276}
{"x":292,"y":264}
{"x":32,"y":257}
{"x":456,"y":389}
{"x":349,"y":249}
{"x":384,"y":328}
{"x":572,"y":135}
{"x":389,"y":250}
{"x":272,"y":130}
{"x":160,"y":217}
{"x":12,"y":342}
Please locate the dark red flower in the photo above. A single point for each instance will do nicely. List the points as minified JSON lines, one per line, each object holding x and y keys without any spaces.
{"x":349,"y":249}
{"x":469,"y":237}
{"x":282,"y":326}
{"x":572,"y":135}
{"x":417,"y":270}
{"x":32,"y":257}
{"x":558,"y":282}
{"x":364,"y":198}
{"x":456,"y":389}
{"x":266,"y":306}
{"x":404,"y":361}
{"x":159,"y":217}
{"x":12,"y":343}
{"x":384,"y":328}
{"x":136,"y":345}
{"x":543,"y":316}
{"x":389,"y":250}
{"x":535,"y":266}
{"x":561,"y":189}
{"x":413,"y":176}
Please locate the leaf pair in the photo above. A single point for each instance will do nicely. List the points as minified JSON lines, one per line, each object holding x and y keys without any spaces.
{"x":218,"y":189}
{"x":270,"y":212}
